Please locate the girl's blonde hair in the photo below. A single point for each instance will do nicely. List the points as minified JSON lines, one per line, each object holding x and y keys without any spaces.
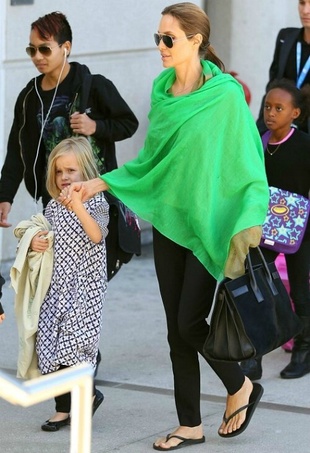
{"x":83,"y":152}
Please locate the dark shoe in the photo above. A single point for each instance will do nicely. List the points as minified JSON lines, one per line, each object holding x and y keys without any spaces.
{"x":252,"y":368}
{"x":98,"y":363}
{"x":300,"y":360}
{"x":298,"y":366}
{"x":97,"y":401}
{"x":55,"y":426}
{"x":184,"y":442}
{"x":255,"y":397}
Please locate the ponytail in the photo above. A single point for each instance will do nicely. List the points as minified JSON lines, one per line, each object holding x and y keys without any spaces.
{"x":208,"y":53}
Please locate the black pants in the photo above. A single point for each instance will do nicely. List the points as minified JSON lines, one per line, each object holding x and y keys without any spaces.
{"x":63,"y":402}
{"x":187,"y":291}
{"x":298,"y":268}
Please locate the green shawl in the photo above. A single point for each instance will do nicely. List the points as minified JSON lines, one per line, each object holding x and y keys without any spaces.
{"x":200,"y":177}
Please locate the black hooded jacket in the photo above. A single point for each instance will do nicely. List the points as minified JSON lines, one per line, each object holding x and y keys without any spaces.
{"x":25,"y":159}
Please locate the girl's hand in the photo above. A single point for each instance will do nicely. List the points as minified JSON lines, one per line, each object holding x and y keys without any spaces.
{"x":39,"y":242}
{"x":64,"y":199}
{"x":75,"y":200}
{"x":67,"y":195}
{"x":2,"y":317}
{"x":87,"y":188}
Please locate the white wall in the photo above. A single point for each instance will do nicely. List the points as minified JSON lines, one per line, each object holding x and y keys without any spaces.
{"x":244,"y":33}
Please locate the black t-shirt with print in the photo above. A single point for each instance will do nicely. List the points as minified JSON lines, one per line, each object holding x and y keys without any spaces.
{"x":56,"y":113}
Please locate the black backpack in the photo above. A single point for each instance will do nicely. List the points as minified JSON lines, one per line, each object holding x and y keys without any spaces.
{"x":124,"y":237}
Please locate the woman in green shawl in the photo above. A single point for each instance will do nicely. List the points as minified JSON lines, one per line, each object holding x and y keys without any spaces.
{"x":200,"y":181}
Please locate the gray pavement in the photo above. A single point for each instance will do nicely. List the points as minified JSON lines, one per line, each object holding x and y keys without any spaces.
{"x":135,"y":377}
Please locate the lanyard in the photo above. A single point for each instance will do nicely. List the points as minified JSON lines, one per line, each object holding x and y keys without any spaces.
{"x":301,"y":75}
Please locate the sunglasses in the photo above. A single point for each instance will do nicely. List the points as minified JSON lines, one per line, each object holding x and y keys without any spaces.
{"x":44,"y":50}
{"x":168,"y":40}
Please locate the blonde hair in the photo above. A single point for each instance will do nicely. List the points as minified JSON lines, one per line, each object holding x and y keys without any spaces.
{"x":83,"y":152}
{"x":193,"y":20}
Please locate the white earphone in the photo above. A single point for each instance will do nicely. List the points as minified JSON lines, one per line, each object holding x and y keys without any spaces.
{"x":65,"y":52}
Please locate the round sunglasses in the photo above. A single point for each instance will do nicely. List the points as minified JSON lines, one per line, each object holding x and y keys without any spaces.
{"x":44,"y":50}
{"x":168,"y":40}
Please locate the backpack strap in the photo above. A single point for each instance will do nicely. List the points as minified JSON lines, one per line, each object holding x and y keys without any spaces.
{"x":265,"y":138}
{"x":87,"y":81}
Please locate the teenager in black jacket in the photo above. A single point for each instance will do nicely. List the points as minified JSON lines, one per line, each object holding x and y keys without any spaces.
{"x":48,"y":110}
{"x":292,"y":50}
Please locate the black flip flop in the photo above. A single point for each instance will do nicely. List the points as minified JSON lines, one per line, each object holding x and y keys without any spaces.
{"x":185,"y":442}
{"x":255,"y":397}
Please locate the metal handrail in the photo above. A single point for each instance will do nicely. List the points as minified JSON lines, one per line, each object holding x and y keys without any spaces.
{"x":78,"y":380}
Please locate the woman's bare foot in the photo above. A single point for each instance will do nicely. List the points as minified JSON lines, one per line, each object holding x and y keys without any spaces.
{"x":59,"y":417}
{"x":187,"y":432}
{"x":233,"y":403}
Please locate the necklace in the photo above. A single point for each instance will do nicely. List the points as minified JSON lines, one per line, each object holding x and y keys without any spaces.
{"x":195,"y":85}
{"x":273,"y":152}
{"x":291,"y":132}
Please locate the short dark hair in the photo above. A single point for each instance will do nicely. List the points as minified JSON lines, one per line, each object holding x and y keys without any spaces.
{"x":53,"y":25}
{"x":300,"y":97}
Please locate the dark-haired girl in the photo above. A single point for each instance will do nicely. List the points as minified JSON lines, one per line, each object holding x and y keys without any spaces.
{"x":287,"y":161}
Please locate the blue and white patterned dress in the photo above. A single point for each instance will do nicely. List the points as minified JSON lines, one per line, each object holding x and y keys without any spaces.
{"x":70,"y":318}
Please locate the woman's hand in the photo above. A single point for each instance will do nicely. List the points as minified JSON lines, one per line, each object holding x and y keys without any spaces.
{"x":39,"y":242}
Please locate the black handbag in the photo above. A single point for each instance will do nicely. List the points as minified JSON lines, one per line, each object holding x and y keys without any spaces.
{"x":252,"y":315}
{"x":124,"y":237}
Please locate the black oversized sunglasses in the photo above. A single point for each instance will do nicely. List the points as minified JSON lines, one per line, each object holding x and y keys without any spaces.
{"x":168,"y":40}
{"x":44,"y":50}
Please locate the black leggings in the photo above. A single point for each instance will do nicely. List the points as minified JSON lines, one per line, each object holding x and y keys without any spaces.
{"x":187,"y":291}
{"x":63,"y":402}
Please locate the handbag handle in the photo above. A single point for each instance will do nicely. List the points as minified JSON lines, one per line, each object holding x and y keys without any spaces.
{"x":253,"y":281}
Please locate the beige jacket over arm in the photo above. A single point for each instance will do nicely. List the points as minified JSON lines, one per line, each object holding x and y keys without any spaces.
{"x":30,"y":277}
